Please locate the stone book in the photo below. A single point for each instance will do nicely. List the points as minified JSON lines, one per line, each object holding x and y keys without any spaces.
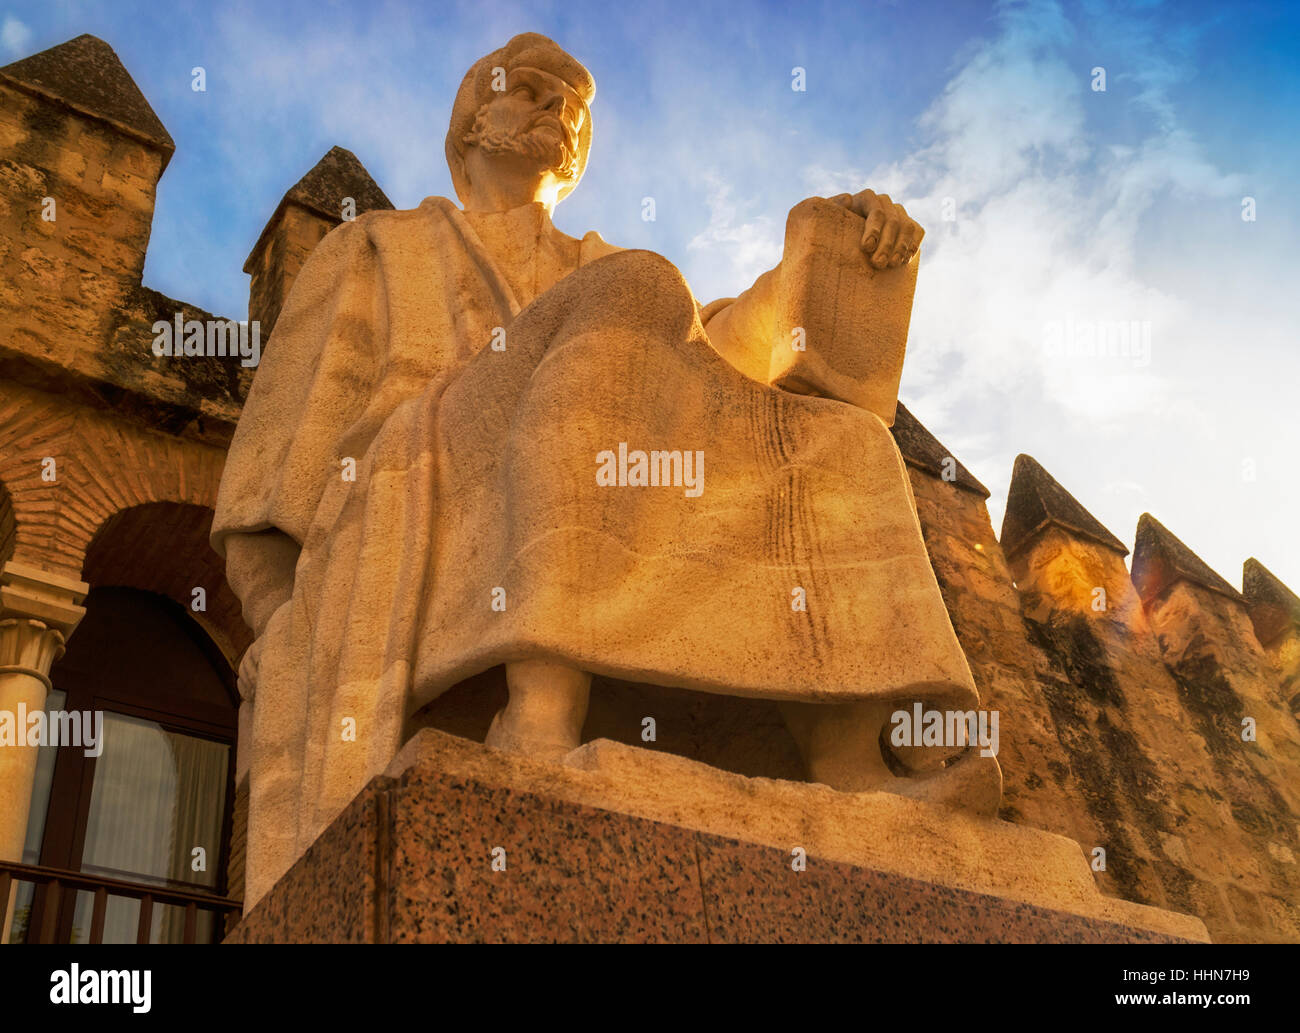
{"x":853,"y":317}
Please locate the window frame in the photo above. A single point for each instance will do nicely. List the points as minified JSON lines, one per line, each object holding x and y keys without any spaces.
{"x":73,"y":777}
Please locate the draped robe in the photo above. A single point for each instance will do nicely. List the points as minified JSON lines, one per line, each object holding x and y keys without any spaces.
{"x":799,"y":572}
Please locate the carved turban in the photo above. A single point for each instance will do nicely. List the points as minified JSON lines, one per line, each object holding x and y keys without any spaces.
{"x":528,"y":49}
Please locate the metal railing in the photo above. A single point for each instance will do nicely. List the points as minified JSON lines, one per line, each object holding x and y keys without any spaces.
{"x":51,"y":884}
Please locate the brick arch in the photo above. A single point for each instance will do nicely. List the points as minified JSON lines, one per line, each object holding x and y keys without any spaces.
{"x":8,"y":524}
{"x":163,"y":547}
{"x":103,"y":467}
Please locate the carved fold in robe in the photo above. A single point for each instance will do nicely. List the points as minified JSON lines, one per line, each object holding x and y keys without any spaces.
{"x":798,"y":572}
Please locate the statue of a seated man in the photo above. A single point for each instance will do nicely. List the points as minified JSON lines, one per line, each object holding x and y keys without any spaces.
{"x":476,"y":441}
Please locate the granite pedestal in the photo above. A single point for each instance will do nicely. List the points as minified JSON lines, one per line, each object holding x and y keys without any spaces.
{"x":458,"y":843}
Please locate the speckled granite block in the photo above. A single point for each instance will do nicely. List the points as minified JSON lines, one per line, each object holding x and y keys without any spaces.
{"x":410,"y":861}
{"x":572,"y":873}
{"x":753,"y":895}
{"x":330,"y":895}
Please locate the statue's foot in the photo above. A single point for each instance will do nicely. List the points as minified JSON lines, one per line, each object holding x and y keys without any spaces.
{"x":970,"y":781}
{"x":839,"y":743}
{"x":545,"y":712}
{"x":844,"y":746}
{"x":503,"y":736}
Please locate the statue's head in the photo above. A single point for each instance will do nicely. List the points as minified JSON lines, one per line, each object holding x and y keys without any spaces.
{"x":523,"y":107}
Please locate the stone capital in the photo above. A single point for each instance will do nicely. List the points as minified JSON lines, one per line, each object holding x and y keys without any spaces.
{"x":38,"y":611}
{"x":29,"y":647}
{"x":30,"y":592}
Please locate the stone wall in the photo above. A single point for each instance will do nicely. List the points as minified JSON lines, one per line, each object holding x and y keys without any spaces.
{"x":81,"y":153}
{"x":1275,"y":614}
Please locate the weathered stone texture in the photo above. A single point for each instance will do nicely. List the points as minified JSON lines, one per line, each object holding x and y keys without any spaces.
{"x":1040,"y":788}
{"x":275,"y":264}
{"x":1275,"y":613}
{"x":1166,"y":786}
{"x":1107,"y":739}
{"x":638,"y":846}
{"x":309,"y":209}
{"x":76,"y":210}
{"x":109,"y":455}
{"x":1119,"y":728}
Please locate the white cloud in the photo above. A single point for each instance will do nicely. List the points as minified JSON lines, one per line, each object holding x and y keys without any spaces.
{"x":1053,"y":207}
{"x":738,"y":249}
{"x":15,"y":37}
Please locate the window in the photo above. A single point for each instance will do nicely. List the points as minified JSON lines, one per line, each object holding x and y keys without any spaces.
{"x":154,"y":807}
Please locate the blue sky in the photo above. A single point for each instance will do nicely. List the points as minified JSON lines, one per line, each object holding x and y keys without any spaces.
{"x":1071,"y":206}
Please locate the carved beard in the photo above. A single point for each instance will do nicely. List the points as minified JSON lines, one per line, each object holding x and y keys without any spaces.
{"x":559,"y":153}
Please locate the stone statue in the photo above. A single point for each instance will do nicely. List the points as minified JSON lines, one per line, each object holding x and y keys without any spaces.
{"x":476,"y":441}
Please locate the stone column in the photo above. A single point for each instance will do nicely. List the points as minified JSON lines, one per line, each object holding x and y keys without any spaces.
{"x":38,"y":611}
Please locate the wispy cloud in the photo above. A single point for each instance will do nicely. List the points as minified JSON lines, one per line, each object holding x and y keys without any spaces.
{"x":738,"y":244}
{"x":1039,"y":214}
{"x":15,"y":37}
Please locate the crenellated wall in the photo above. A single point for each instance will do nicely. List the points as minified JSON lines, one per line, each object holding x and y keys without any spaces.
{"x":335,"y":186}
{"x":1121,"y":709}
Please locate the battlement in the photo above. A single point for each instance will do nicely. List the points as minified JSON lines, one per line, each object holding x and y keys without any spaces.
{"x":82,"y":153}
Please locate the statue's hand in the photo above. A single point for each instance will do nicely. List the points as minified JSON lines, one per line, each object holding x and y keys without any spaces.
{"x":890,"y":237}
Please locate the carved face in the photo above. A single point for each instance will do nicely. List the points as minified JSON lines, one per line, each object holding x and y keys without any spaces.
{"x":536,"y":118}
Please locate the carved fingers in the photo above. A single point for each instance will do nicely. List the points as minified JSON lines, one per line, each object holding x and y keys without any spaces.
{"x":909,"y":239}
{"x":890,"y":237}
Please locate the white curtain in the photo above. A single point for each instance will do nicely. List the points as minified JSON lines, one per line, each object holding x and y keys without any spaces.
{"x":201,"y":768}
{"x":157,"y":795}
